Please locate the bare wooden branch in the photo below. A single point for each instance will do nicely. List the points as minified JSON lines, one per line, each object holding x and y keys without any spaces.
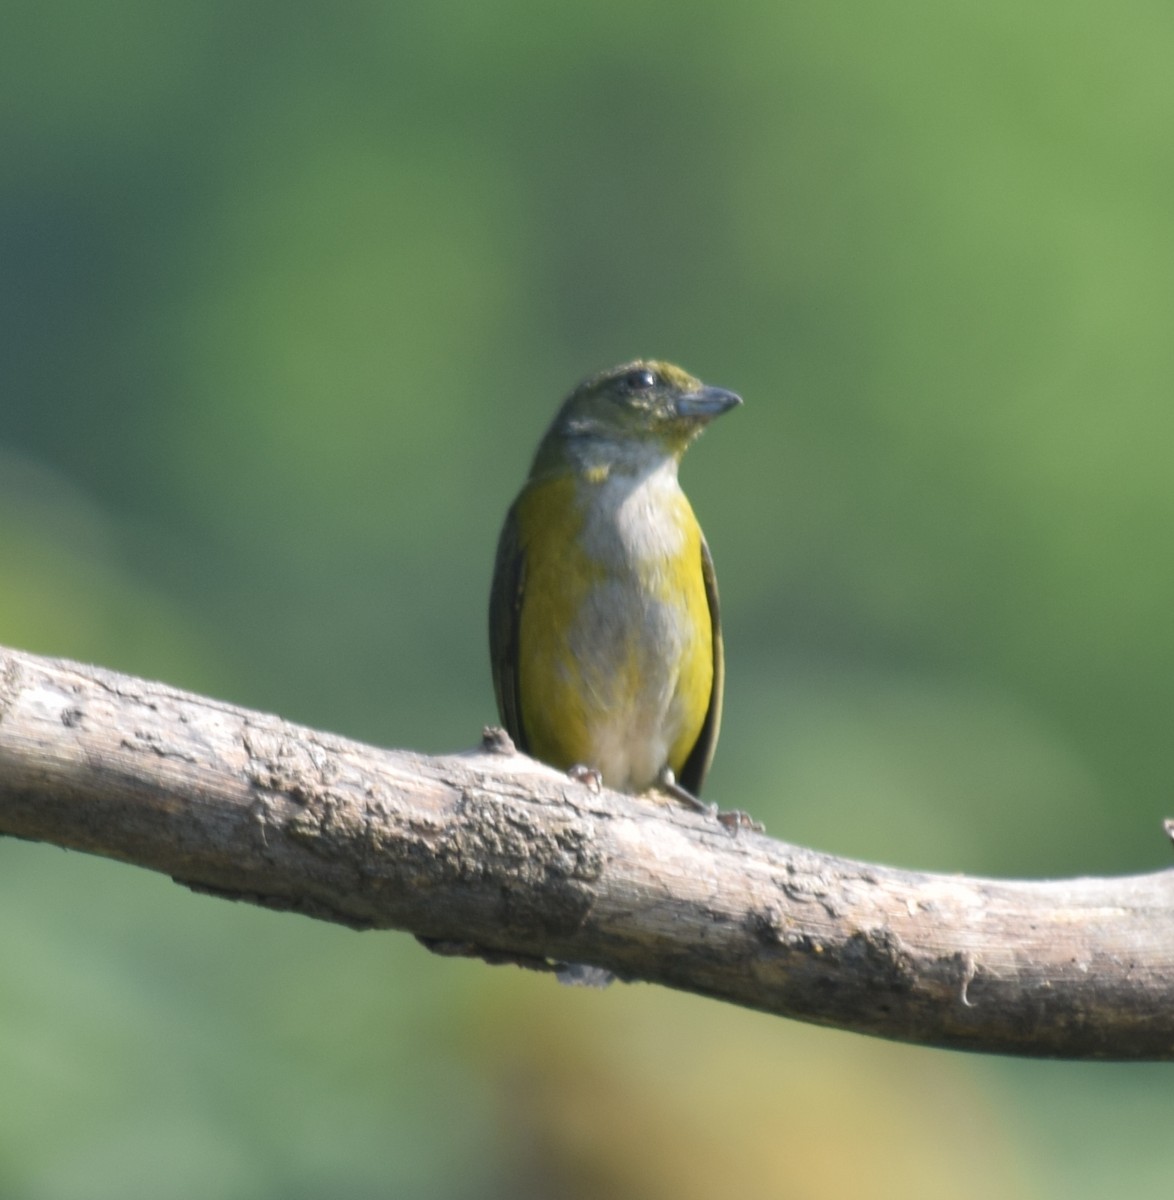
{"x":489,"y":853}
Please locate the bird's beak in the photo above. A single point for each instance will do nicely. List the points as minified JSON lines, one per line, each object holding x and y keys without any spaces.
{"x":706,"y":403}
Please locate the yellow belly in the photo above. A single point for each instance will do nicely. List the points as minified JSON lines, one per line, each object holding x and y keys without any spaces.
{"x":615,"y":640}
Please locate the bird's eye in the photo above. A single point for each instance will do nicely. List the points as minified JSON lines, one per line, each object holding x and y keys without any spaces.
{"x":640,"y":380}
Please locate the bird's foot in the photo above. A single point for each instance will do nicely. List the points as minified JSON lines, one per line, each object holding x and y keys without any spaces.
{"x":734,"y":820}
{"x":589,"y":777}
{"x":666,"y":781}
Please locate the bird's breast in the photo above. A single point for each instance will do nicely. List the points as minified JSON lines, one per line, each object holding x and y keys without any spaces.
{"x":615,"y":640}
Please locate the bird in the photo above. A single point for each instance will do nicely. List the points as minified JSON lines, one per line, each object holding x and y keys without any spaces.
{"x":604,"y":629}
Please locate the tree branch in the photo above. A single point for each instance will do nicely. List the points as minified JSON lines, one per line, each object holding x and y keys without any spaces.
{"x":490,"y":853}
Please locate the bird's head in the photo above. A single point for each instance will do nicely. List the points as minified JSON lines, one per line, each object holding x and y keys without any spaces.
{"x":633,"y":416}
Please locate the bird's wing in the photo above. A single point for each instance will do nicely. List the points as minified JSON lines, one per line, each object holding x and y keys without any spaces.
{"x":505,"y":609}
{"x":693,"y":773}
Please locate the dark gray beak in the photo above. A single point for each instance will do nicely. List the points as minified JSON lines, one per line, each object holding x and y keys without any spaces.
{"x":707,"y":403}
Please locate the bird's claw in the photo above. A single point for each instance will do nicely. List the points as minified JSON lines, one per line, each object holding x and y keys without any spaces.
{"x":589,"y":777}
{"x":732,"y":821}
{"x":735,"y":819}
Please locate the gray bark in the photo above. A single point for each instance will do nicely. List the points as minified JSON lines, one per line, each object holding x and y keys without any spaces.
{"x":488,"y":853}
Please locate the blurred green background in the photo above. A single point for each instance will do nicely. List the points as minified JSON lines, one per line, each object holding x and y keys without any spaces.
{"x":287,"y":295}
